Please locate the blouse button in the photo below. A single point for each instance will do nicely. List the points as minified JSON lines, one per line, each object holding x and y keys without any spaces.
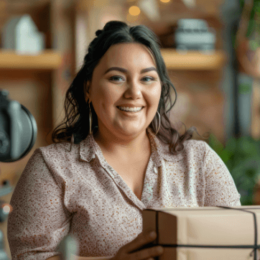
{"x":155,"y":170}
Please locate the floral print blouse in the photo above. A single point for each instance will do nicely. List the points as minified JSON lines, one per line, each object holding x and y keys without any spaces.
{"x":69,"y":188}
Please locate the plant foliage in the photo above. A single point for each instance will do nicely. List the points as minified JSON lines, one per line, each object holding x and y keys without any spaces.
{"x":242,"y":158}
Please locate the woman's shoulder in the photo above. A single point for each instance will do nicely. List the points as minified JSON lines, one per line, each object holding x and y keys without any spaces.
{"x":201,"y":150}
{"x":194,"y":144}
{"x":195,"y":149}
{"x":54,"y":150}
{"x":191,"y":148}
{"x":194,"y":152}
{"x":59,"y":147}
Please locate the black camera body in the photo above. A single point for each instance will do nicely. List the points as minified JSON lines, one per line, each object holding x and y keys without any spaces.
{"x":18,"y":129}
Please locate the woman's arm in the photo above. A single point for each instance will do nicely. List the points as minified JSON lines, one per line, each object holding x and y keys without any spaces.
{"x":220,"y":187}
{"x":39,"y":219}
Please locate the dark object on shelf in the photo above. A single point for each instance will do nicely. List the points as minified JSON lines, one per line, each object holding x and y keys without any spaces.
{"x":194,"y":34}
{"x":167,"y":39}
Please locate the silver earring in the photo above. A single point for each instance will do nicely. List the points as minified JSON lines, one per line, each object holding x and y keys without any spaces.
{"x":90,"y":119}
{"x":159,"y":124}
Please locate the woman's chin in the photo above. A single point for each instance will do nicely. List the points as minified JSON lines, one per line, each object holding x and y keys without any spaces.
{"x":131,"y":130}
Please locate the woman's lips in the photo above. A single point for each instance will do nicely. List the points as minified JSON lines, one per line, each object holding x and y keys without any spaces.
{"x":133,"y":112}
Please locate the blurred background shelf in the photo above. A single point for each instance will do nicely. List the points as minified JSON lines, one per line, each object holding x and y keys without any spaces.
{"x":193,"y":60}
{"x":47,"y":60}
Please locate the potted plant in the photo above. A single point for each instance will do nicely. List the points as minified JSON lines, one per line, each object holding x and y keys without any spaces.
{"x":242,"y":158}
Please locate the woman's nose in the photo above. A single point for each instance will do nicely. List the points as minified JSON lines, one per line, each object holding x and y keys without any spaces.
{"x":134,"y":90}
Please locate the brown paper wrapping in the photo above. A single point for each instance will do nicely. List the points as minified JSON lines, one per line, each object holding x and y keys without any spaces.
{"x":211,"y":226}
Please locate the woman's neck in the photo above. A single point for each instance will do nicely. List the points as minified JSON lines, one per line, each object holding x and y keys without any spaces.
{"x":124,"y":148}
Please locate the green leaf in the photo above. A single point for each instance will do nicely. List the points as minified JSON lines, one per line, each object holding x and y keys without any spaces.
{"x":225,"y":155}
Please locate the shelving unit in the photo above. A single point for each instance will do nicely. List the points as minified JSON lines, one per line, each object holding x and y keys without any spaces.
{"x":193,"y":60}
{"x":50,"y":59}
{"x":47,"y":60}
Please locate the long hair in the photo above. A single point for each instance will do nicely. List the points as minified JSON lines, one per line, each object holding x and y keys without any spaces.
{"x":76,"y":120}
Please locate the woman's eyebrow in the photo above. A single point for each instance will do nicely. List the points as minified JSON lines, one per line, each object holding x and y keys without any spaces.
{"x":125,"y":71}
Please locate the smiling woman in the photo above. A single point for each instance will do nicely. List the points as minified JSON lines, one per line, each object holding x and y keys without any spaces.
{"x":120,"y":40}
{"x":114,"y":155}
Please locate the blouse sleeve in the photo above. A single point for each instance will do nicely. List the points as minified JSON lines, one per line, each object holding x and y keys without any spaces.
{"x":39,"y":220}
{"x":220,"y":188}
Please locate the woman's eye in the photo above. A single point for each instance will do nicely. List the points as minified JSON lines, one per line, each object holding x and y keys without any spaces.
{"x":150,"y":78}
{"x":113,"y":78}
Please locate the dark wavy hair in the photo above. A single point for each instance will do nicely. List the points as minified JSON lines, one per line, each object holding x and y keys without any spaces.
{"x":76,"y":119}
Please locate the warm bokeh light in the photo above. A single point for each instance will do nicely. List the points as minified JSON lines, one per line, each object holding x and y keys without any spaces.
{"x":165,"y":1}
{"x":134,"y":10}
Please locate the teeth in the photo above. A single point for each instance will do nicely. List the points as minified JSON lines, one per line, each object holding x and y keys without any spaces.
{"x":131,"y":109}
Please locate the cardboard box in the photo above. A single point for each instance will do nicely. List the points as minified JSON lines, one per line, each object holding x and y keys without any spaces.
{"x":205,"y":233}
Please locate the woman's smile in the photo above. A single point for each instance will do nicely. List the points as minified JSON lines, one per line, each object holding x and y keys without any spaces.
{"x":130,"y":113}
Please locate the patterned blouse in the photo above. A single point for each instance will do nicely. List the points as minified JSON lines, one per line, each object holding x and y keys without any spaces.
{"x":69,"y":188}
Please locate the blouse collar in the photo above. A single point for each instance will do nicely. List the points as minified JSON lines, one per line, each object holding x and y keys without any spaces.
{"x":89,"y":149}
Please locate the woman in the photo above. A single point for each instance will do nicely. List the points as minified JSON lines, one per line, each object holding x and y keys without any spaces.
{"x":116,"y":155}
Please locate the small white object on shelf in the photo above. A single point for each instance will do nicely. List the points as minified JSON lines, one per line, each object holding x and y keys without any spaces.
{"x":21,"y":34}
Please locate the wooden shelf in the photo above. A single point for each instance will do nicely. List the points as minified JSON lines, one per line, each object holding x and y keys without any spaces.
{"x":193,"y":60}
{"x":46,"y":60}
{"x":49,"y":59}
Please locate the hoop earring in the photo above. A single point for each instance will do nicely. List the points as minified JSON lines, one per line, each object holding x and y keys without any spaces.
{"x":159,"y":124}
{"x":90,"y":119}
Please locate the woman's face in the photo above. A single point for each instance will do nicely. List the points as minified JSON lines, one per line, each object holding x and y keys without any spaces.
{"x":127,"y":86}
